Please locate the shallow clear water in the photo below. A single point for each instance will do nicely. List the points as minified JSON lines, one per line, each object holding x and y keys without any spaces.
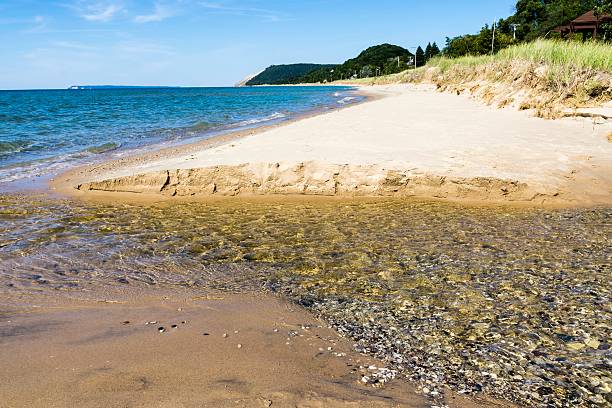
{"x":42,"y":130}
{"x":514,"y":302}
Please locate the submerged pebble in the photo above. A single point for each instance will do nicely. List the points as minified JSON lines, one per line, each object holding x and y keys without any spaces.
{"x":510,"y":302}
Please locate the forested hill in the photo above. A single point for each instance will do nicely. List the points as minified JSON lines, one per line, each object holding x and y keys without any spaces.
{"x":377,"y":60}
{"x":285,"y":74}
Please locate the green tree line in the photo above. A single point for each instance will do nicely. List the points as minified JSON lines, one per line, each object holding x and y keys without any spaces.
{"x":532,"y":19}
{"x":377,"y":60}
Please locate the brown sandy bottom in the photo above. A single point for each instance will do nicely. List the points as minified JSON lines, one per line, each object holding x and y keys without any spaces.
{"x":213,"y":351}
{"x":498,"y":301}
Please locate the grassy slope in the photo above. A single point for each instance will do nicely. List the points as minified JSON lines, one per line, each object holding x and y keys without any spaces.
{"x":589,"y":55}
{"x":547,"y":76}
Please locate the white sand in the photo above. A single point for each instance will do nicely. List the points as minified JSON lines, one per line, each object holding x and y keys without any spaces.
{"x":418,"y":129}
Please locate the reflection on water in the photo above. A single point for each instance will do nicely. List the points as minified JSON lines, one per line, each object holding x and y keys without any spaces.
{"x":514,"y":302}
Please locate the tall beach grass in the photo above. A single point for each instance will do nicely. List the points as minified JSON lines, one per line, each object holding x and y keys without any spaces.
{"x":554,"y":53}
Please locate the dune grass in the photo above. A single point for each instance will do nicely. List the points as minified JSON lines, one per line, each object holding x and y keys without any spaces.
{"x":549,"y":76}
{"x":554,"y":53}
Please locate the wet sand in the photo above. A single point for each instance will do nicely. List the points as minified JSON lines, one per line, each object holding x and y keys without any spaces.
{"x":226,"y":351}
{"x":414,"y":142}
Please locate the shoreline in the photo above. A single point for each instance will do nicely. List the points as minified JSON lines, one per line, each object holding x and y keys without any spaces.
{"x":36,"y":174}
{"x":319,"y":158}
{"x":63,"y":183}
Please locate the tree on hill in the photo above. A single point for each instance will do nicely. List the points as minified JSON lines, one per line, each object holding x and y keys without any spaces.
{"x":420,"y":57}
{"x":538,"y":18}
{"x":284,"y":74}
{"x":376,"y":60}
{"x":432,"y":50}
{"x":529,"y":14}
{"x":435,"y":50}
{"x":532,"y":19}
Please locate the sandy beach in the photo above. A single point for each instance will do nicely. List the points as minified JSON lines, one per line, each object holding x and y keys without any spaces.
{"x":408,"y":141}
{"x":159,"y":322}
{"x":187,"y":349}
{"x":400,"y":205}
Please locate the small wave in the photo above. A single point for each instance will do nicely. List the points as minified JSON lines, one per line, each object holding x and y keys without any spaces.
{"x":14,"y":147}
{"x":274,"y":116}
{"x":199,"y":127}
{"x":34,"y":169}
{"x":347,"y":99}
{"x":103,"y":148}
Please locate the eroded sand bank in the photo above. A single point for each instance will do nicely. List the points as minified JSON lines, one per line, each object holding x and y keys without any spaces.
{"x":413,"y":142}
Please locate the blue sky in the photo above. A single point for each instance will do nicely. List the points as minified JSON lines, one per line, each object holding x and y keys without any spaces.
{"x":54,"y":44}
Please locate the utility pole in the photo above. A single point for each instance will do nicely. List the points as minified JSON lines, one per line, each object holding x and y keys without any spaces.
{"x":514,"y":27}
{"x":493,"y":40}
{"x":398,"y":61}
{"x":415,"y":58}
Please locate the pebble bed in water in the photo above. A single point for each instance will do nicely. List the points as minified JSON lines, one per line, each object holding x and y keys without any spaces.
{"x":511,"y":302}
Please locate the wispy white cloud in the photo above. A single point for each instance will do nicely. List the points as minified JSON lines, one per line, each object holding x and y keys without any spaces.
{"x":105,"y":14}
{"x":100,"y":11}
{"x":37,"y":24}
{"x":267,"y":15}
{"x":160,"y":13}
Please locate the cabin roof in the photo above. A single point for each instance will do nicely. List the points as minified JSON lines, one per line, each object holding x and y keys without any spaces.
{"x":590,"y":17}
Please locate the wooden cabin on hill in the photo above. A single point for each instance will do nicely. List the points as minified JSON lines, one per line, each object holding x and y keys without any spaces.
{"x":588,"y":23}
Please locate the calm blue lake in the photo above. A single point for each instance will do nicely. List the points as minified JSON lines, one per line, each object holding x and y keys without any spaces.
{"x":46,"y":131}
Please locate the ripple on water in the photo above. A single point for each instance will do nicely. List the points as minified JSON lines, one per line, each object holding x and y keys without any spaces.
{"x":513,"y":302}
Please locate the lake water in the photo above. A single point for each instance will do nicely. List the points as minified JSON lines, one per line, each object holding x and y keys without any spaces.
{"x":45,"y":131}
